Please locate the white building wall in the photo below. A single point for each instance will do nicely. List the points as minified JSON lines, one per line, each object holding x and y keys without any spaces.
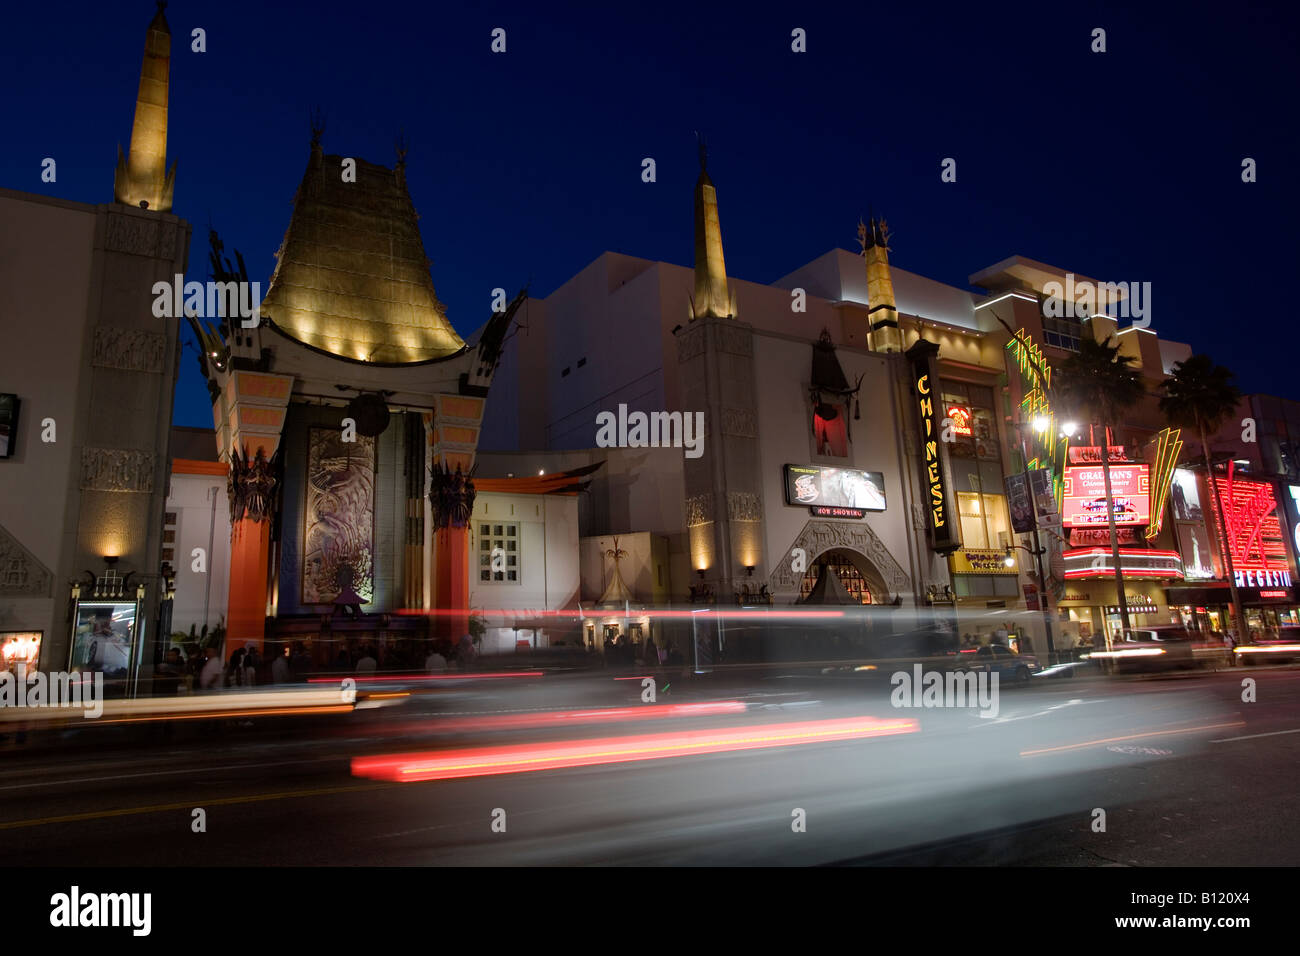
{"x":202,"y":521}
{"x":785,"y":437}
{"x":549,"y":567}
{"x":46,"y":251}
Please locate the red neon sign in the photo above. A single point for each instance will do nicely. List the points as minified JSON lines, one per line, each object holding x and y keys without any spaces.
{"x":1084,"y":499}
{"x":960,"y":416}
{"x":1254,"y":531}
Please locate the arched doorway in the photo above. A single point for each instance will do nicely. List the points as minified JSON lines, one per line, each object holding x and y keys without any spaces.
{"x":856,"y":574}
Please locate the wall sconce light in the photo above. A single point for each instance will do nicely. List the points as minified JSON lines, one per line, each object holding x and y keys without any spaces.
{"x":749,"y":570}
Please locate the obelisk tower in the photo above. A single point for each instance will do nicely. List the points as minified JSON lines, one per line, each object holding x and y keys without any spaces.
{"x":715,"y":356}
{"x":882,"y":313}
{"x":142,"y":176}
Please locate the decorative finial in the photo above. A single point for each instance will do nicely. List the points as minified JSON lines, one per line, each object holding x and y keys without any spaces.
{"x":317,"y":126}
{"x":401,"y":145}
{"x":162,"y":5}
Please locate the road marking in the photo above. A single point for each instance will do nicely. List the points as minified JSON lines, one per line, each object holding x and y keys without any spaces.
{"x":1275,"y":733}
{"x":1111,"y":740}
{"x":162,"y":773}
{"x":187,"y":805}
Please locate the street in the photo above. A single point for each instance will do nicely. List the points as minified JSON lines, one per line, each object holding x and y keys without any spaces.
{"x":775,"y":769}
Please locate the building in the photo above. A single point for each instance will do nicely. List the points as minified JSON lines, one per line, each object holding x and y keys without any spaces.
{"x":812,"y":386}
{"x":88,"y":371}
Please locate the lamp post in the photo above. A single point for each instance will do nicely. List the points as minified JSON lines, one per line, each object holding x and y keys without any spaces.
{"x":1039,"y":424}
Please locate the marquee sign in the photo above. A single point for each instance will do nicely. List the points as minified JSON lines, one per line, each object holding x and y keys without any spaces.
{"x":1135,"y":563}
{"x":936,"y":476}
{"x":835,"y":490}
{"x":1085,"y":496}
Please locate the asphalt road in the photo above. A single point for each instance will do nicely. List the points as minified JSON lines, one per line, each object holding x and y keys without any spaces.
{"x":1184,"y":770}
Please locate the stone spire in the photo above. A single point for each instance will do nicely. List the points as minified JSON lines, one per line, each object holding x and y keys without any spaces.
{"x":142,"y":175}
{"x":882,"y":313}
{"x":711,"y":296}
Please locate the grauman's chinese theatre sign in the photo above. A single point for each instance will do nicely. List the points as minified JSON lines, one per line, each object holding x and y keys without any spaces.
{"x":936,"y":476}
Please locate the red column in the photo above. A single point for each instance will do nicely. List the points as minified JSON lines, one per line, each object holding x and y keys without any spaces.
{"x":451,"y":590}
{"x":250,"y":550}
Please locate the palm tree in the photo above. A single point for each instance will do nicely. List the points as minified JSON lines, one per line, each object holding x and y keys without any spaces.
{"x":1200,"y":395}
{"x":1098,"y":383}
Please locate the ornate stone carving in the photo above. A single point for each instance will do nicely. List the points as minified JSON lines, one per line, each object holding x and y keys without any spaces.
{"x":740,"y":422}
{"x":21,"y":574}
{"x":250,"y":485}
{"x":140,"y":236}
{"x":133,"y":350}
{"x":744,"y":506}
{"x":117,"y":469}
{"x":690,"y":343}
{"x":699,"y":509}
{"x":732,"y":338}
{"x":818,"y":537}
{"x":452,"y":494}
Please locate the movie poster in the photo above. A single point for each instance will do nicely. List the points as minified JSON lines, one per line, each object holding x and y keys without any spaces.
{"x":338,"y":524}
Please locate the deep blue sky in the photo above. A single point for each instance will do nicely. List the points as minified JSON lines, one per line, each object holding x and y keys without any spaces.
{"x":526,"y":166}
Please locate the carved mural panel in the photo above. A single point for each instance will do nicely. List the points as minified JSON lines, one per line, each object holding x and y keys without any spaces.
{"x":117,"y":469}
{"x":818,"y":537}
{"x":740,"y":422}
{"x":21,"y":574}
{"x":338,"y":526}
{"x":133,"y":350}
{"x":141,"y":237}
{"x":690,"y":343}
{"x":699,"y":510}
{"x":744,"y":506}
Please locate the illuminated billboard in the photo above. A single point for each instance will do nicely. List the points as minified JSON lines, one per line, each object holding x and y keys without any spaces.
{"x":1084,"y":504}
{"x":1255,"y":535}
{"x":826,"y":488}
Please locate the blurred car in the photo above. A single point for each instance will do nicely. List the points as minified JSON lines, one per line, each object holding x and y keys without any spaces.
{"x":1284,"y":648}
{"x":1159,"y":648}
{"x":998,"y":659}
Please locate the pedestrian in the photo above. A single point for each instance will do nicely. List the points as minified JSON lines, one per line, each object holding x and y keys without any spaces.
{"x":367,"y":664}
{"x":250,"y":665}
{"x":651,"y":653}
{"x":465,"y":652}
{"x":280,"y":671}
{"x":210,"y":675}
{"x":235,"y":669}
{"x":435,"y":663}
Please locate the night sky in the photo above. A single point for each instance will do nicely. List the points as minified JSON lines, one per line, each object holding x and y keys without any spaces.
{"x":526,"y":166}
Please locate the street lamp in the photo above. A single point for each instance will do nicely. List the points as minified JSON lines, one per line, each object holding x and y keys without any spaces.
{"x":1040,"y":424}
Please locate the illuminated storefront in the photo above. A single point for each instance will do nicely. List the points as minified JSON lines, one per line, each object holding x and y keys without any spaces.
{"x":1260,"y":540}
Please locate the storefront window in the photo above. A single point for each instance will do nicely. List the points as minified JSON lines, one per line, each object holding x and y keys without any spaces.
{"x":984,"y":521}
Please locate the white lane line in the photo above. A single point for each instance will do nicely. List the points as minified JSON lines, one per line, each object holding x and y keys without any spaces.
{"x":1275,"y":733}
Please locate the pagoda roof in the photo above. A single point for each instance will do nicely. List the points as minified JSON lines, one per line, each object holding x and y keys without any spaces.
{"x":352,"y":278}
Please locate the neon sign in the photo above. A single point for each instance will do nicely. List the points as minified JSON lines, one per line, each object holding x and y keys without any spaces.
{"x":945,"y":535}
{"x":1254,"y":532}
{"x":1085,"y":496}
{"x":961,"y":420}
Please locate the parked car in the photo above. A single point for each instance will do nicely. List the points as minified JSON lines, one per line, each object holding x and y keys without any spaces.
{"x":998,"y":659}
